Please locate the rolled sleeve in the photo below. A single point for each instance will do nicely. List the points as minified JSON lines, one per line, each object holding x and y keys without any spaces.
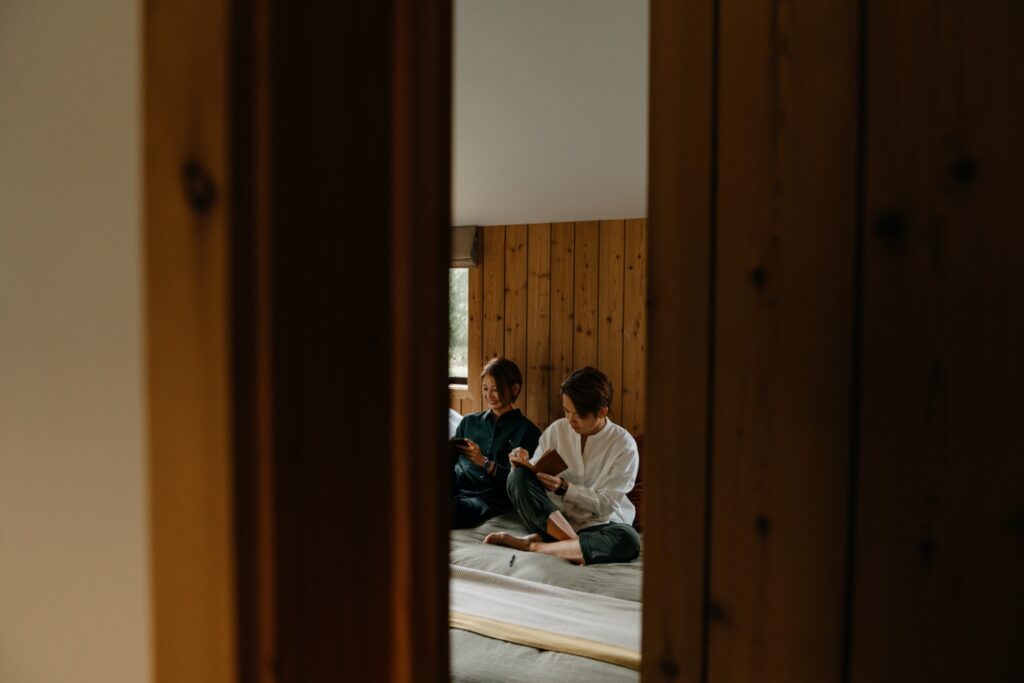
{"x":605,"y":499}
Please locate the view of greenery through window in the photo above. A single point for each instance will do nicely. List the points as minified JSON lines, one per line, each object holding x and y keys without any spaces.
{"x":458,"y":322}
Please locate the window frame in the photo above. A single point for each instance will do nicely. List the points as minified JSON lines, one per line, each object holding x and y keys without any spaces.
{"x":455,"y":382}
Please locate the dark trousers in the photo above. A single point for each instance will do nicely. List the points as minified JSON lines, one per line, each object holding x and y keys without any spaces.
{"x":611,"y":542}
{"x":468,"y":510}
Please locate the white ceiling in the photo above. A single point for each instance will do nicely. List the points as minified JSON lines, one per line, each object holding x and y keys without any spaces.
{"x":550,"y":110}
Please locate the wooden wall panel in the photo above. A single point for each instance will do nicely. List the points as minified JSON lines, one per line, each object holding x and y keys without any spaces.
{"x":940,"y":512}
{"x":492,"y":273}
{"x":786,"y":205}
{"x":563,"y":316}
{"x":611,"y":287}
{"x":515,"y":316}
{"x":538,"y":328}
{"x":634,"y":327}
{"x":588,"y":259}
{"x":554,"y":278}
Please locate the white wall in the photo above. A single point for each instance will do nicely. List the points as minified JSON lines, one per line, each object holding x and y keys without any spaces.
{"x":74,"y":589}
{"x":550,"y":110}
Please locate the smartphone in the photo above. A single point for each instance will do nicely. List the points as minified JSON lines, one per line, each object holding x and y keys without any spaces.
{"x":452,"y":446}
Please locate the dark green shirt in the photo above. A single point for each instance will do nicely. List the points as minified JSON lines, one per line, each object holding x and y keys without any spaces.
{"x":496,"y":438}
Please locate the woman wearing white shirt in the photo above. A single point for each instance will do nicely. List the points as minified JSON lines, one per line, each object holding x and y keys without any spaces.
{"x":583,"y":514}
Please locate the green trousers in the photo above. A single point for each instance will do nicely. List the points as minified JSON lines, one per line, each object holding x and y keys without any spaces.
{"x":611,"y":542}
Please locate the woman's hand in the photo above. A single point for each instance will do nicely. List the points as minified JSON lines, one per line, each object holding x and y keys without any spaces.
{"x":550,"y":483}
{"x":518,"y":456}
{"x":469,"y":448}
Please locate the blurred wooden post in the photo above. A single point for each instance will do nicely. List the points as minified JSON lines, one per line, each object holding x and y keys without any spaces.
{"x":678,"y":331}
{"x":187,"y":219}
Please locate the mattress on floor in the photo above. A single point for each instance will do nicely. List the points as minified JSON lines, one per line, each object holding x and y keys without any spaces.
{"x":478,"y":658}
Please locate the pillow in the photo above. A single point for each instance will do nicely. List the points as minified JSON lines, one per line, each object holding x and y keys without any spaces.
{"x":453,"y":422}
{"x":636,"y":496}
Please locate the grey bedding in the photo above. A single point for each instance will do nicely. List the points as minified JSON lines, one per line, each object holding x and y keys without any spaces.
{"x":478,"y":658}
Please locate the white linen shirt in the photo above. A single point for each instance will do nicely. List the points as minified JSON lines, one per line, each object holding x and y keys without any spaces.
{"x":599,"y":479}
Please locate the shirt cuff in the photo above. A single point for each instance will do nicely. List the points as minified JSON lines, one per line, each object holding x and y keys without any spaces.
{"x":570,"y":491}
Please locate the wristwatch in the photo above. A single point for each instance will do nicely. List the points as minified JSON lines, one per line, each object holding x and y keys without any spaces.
{"x":562,"y":488}
{"x":486,"y":464}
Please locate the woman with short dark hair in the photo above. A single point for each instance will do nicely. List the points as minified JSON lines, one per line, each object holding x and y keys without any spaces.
{"x":482,"y":469}
{"x":581,"y":515}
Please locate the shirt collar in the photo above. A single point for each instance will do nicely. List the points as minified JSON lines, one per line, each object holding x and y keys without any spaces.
{"x":601,"y":435}
{"x":514,"y":411}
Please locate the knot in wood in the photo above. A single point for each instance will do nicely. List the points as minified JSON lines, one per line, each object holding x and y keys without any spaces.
{"x":200,"y":191}
{"x":964,"y":170}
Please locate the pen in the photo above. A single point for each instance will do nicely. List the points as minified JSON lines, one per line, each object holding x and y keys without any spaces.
{"x":512,"y":560}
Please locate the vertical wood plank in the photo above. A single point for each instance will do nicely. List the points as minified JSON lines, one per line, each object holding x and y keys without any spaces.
{"x":562,"y":312}
{"x":333,"y":613}
{"x":634,"y":329}
{"x":252,"y":350}
{"x":187,"y":305}
{"x":677,"y":441}
{"x":515,"y":301}
{"x":538,"y":326}
{"x":420,"y":192}
{"x":938,"y":591}
{"x":513,"y":307}
{"x":493,"y":305}
{"x":611,"y":289}
{"x":783,"y":358}
{"x":587,"y":264}
{"x":476,"y":332}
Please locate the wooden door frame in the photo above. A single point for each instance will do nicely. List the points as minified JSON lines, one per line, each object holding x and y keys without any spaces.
{"x":186,"y":251}
{"x":680,"y":324}
{"x":195,"y":200}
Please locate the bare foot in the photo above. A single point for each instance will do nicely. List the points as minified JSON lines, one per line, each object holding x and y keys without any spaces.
{"x":517,"y":542}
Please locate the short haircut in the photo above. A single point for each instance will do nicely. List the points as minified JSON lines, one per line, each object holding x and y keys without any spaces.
{"x":589,"y":389}
{"x":506,"y":375}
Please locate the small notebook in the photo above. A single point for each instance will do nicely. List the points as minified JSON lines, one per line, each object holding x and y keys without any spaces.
{"x":549,"y":463}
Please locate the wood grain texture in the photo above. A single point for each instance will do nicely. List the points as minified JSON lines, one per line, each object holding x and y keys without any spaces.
{"x":784,"y":334}
{"x":634,"y":327}
{"x":252,"y":361}
{"x":493,"y":305}
{"x":187,"y":303}
{"x":420,"y":188}
{"x":588,"y":262}
{"x":679,"y":304}
{"x":538,"y":327}
{"x":515,"y":317}
{"x":938,"y":593}
{"x":563,"y":237}
{"x":611,"y":290}
{"x":382,"y":165}
{"x":538,"y":305}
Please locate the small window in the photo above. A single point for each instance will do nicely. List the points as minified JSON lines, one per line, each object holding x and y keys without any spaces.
{"x":458,"y":325}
